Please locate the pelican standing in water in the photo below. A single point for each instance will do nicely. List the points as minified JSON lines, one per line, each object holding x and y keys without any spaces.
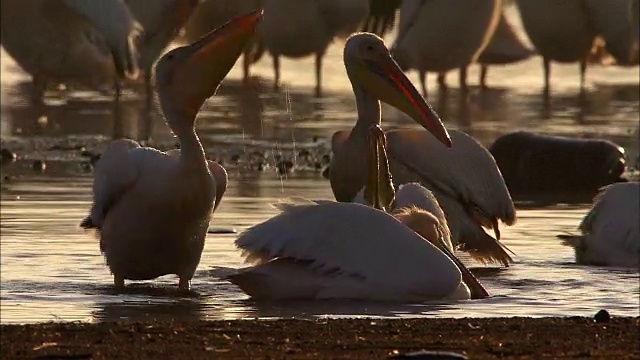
{"x":465,"y":179}
{"x":610,"y":230}
{"x":161,"y":20}
{"x":318,"y":250}
{"x":152,"y":209}
{"x":72,"y":42}
{"x":442,"y":35}
{"x":310,"y":31}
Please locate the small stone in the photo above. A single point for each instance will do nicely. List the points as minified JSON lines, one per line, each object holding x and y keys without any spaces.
{"x":431,"y":355}
{"x":602,"y":316}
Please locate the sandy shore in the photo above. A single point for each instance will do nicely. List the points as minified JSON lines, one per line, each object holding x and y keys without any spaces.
{"x":514,"y":338}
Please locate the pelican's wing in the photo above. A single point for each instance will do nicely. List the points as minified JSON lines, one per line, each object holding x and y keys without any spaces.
{"x":342,"y":17}
{"x":466,"y":172}
{"x":614,"y":216}
{"x":115,"y":172}
{"x":409,"y":12}
{"x":617,"y":22}
{"x":338,"y":138}
{"x":220,"y":179}
{"x":352,"y":240}
{"x":114,"y":20}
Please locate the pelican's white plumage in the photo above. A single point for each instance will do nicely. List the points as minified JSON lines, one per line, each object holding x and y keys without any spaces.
{"x":611,"y":229}
{"x":151,"y":208}
{"x":343,"y":251}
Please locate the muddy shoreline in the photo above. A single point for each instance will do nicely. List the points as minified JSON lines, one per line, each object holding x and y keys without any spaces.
{"x":489,"y":338}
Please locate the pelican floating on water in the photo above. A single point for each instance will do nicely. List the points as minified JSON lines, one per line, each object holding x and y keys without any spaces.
{"x":610,"y":230}
{"x":152,"y":209}
{"x":91,"y":43}
{"x":330,"y":250}
{"x":465,"y":178}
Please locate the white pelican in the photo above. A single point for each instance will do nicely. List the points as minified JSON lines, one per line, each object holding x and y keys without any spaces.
{"x":298,"y":28}
{"x":464,"y":178}
{"x":610,"y":230}
{"x":442,"y":35}
{"x":212,"y":13}
{"x":161,"y":20}
{"x":504,"y":48}
{"x":70,"y":41}
{"x":561,"y":31}
{"x":329,"y":250}
{"x":152,"y":209}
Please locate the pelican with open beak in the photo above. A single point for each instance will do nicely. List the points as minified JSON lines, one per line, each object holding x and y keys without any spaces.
{"x":416,"y":207}
{"x":464,"y":178}
{"x":152,"y":209}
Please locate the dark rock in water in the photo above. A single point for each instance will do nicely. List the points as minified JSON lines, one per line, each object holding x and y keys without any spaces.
{"x":431,"y":355}
{"x":602,"y":316}
{"x":7,"y":156}
{"x":535,"y":163}
{"x":39,"y":165}
{"x":222,"y":231}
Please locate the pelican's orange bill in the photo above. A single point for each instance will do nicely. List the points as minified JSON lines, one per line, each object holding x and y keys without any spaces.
{"x":429,"y":118}
{"x":242,"y":24}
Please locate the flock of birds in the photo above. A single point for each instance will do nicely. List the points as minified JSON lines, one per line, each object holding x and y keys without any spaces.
{"x":151,"y":209}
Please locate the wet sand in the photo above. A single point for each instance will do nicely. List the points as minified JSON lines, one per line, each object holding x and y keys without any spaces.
{"x":514,"y":338}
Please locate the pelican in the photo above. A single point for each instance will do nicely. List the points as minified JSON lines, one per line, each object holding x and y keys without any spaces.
{"x":152,"y":209}
{"x":161,"y":20}
{"x":91,"y":43}
{"x":318,"y":250}
{"x":212,"y":13}
{"x":618,"y":24}
{"x":610,"y":230}
{"x":441,"y":35}
{"x":310,"y":31}
{"x":465,"y":178}
{"x":504,"y":48}
{"x":557,"y":35}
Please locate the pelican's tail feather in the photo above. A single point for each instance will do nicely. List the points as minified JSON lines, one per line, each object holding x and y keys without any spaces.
{"x":222,"y":272}
{"x":487,"y":250}
{"x":571,"y":240}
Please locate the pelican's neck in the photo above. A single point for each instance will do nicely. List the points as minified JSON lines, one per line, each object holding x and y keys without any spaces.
{"x":181,"y":121}
{"x":369,"y":110}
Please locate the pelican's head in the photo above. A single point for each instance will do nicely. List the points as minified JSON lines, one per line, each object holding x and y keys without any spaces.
{"x":188,"y":75}
{"x":369,"y":65}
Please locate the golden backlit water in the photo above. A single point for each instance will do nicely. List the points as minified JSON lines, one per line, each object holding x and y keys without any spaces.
{"x":51,"y":270}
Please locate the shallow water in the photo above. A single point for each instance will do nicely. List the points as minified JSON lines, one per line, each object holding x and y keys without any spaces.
{"x":51,"y":270}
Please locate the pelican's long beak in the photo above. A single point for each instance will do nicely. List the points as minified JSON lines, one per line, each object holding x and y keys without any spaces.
{"x":384,"y":79}
{"x":203,"y":64}
{"x":379,"y":191}
{"x":477,"y":290}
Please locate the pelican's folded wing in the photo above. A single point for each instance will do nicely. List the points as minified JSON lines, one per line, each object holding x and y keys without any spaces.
{"x":466,"y":171}
{"x":115,"y":172}
{"x":355,"y":241}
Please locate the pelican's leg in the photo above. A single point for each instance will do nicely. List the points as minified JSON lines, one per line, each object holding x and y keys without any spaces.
{"x":483,"y":76}
{"x":118,"y":282}
{"x":583,"y":73}
{"x":276,"y":70}
{"x":423,"y":82}
{"x":547,"y":74}
{"x":463,"y":78}
{"x":246,"y":63}
{"x":39,"y":89}
{"x":117,"y":128}
{"x":184,"y":283}
{"x":319,"y":57}
{"x":442,"y":81}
